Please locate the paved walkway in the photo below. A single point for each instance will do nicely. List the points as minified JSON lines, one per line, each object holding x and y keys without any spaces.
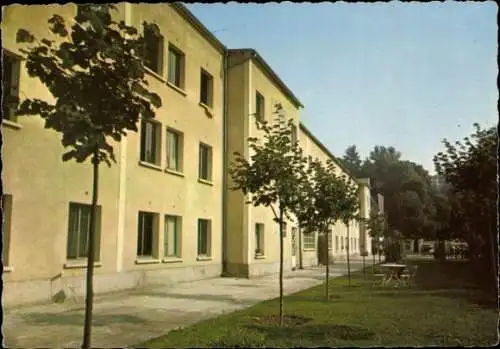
{"x":131,"y":317}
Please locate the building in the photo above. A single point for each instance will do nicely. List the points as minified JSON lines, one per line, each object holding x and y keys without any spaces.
{"x":166,"y":213}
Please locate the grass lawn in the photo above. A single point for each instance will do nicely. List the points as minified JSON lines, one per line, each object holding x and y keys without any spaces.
{"x":444,"y":307}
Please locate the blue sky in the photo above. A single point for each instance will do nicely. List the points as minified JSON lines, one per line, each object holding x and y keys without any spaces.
{"x":394,"y":74}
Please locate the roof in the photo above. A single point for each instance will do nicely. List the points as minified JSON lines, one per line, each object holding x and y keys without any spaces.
{"x":270,"y":72}
{"x":325,"y":149}
{"x":195,"y":22}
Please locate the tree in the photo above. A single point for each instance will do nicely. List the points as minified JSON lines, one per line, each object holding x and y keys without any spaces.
{"x":376,"y":227}
{"x":321,"y":206}
{"x":349,"y":211}
{"x":352,"y":161}
{"x":273,"y":176}
{"x":469,"y":167}
{"x":95,"y":73}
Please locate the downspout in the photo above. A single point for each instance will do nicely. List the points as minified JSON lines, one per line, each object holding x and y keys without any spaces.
{"x":224,"y":164}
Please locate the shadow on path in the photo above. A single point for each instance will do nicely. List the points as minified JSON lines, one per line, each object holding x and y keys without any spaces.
{"x":202,"y":297}
{"x":45,"y":319}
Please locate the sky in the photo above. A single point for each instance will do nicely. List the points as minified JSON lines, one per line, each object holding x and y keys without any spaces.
{"x":395,"y":74}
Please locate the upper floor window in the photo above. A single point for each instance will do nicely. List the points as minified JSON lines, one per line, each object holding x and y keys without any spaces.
{"x":259,"y":106}
{"x":205,"y":170}
{"x":10,"y":88}
{"x":206,"y":88}
{"x":150,"y":142}
{"x":174,"y":150}
{"x":175,"y":66}
{"x":154,"y":50}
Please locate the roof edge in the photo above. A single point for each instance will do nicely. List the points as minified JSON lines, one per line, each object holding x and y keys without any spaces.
{"x":267,"y":69}
{"x":325,"y":149}
{"x":191,"y":18}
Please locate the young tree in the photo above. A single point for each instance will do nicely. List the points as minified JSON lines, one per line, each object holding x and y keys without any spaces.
{"x":349,"y":211}
{"x":95,"y":72}
{"x":376,"y":227}
{"x":272,"y":175}
{"x":321,"y":207}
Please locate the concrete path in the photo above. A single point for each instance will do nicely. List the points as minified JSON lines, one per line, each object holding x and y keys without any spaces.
{"x":130,"y":317}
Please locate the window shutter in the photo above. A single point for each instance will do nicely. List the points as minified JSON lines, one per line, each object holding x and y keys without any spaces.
{"x":160,"y":54}
{"x":16,"y":71}
{"x":72,"y":243}
{"x":83,"y":230}
{"x":171,"y":66}
{"x":143,"y":141}
{"x":97,"y":242}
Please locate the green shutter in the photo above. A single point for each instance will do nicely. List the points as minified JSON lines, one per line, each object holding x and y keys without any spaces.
{"x":72,"y":243}
{"x":97,"y":242}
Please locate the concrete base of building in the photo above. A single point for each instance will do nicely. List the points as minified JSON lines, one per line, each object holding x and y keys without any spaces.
{"x":309,"y":262}
{"x":63,"y":288}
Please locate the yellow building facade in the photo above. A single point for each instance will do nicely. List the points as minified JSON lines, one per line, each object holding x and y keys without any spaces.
{"x":166,"y":213}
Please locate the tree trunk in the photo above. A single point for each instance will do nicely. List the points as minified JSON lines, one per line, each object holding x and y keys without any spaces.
{"x":348,"y":259}
{"x":89,"y":296}
{"x":327,"y":275}
{"x":364,"y":267}
{"x":494,"y":259}
{"x":281,"y":268}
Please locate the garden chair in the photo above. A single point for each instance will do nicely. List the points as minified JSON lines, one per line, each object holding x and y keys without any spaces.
{"x":408,"y":276}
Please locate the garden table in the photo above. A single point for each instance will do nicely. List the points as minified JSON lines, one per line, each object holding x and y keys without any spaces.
{"x":393,"y":272}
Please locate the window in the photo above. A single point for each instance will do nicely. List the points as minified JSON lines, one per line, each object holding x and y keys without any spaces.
{"x":150,"y":142}
{"x":79,"y":231}
{"x":342,"y":243}
{"x":259,"y":239}
{"x":337,"y":244}
{"x":205,"y":170}
{"x":310,"y":241}
{"x":346,"y":244}
{"x":294,"y":134}
{"x":175,"y":66}
{"x":10,"y":91}
{"x":206,"y":88}
{"x":204,"y":237}
{"x":330,"y":238}
{"x":7,"y":214}
{"x":146,"y":233}
{"x":259,"y":106}
{"x":174,"y":150}
{"x":172,"y":238}
{"x":154,"y":50}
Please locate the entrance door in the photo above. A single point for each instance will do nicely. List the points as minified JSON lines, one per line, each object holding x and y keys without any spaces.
{"x":294,"y":247}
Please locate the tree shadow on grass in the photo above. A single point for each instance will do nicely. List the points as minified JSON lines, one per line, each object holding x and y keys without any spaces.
{"x":46,"y":319}
{"x":314,"y":332}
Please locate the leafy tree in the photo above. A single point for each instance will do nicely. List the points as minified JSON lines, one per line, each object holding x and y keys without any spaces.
{"x":272,"y":177}
{"x":321,"y":206}
{"x":349,"y":211}
{"x":376,"y":227}
{"x":352,"y":161}
{"x":470,"y":168}
{"x":95,"y":73}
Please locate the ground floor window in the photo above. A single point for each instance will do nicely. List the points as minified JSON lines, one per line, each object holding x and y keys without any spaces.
{"x":146,"y":233}
{"x":310,"y":241}
{"x":79,"y":231}
{"x":7,"y":214}
{"x":204,"y":237}
{"x":259,"y":239}
{"x":172,"y":237}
